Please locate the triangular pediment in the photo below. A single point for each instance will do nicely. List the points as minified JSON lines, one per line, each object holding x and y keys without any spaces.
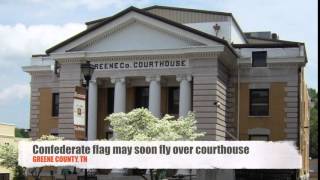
{"x":137,"y":35}
{"x":133,"y":31}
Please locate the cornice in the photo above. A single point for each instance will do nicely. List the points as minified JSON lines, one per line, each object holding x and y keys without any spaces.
{"x":192,"y":52}
{"x":38,"y":70}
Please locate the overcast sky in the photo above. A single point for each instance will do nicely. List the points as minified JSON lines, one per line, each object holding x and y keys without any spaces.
{"x":31,"y":26}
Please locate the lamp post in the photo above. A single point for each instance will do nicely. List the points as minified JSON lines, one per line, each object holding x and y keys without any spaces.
{"x":87,"y":71}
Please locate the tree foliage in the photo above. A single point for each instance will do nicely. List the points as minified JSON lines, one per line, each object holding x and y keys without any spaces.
{"x":21,"y":133}
{"x":50,"y":138}
{"x":141,"y":125}
{"x":314,"y":123}
{"x":9,"y":159}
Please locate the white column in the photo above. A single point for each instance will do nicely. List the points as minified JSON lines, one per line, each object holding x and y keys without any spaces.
{"x":119,"y":106}
{"x":154,"y":95}
{"x":119,"y":94}
{"x":92,"y":110}
{"x":185,"y":94}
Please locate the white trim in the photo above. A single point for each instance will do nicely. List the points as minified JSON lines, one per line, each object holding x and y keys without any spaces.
{"x":85,"y":54}
{"x":259,"y":86}
{"x":29,"y":69}
{"x":298,"y":59}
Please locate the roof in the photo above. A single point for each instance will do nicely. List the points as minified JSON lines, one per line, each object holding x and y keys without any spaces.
{"x":188,"y":9}
{"x":39,"y":55}
{"x":143,"y":12}
{"x":7,"y":124}
{"x":97,"y":20}
{"x":199,"y":11}
{"x":274,"y":40}
{"x":277,"y":44}
{"x":170,"y":8}
{"x":181,"y":9}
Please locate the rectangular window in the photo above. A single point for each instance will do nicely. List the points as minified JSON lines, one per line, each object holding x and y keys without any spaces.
{"x":259,"y":102}
{"x":259,"y":59}
{"x":259,"y":137}
{"x":55,"y":104}
{"x":173,"y":100}
{"x":142,"y":97}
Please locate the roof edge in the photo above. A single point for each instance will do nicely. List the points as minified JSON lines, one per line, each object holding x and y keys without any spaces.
{"x":39,"y":55}
{"x":267,"y":45}
{"x":188,"y":9}
{"x":274,"y":40}
{"x":89,"y":29}
{"x":167,"y":7}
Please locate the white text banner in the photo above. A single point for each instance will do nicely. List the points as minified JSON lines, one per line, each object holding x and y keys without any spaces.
{"x":160,"y":154}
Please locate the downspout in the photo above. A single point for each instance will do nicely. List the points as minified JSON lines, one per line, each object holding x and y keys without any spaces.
{"x":238,"y":100}
{"x":299,"y":102}
{"x":299,"y":114}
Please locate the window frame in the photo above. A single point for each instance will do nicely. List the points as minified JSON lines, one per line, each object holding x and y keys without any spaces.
{"x":259,"y":135}
{"x":253,"y":58}
{"x":251,"y":104}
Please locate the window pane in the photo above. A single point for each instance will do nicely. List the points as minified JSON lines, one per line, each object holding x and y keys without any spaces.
{"x":55,"y":104}
{"x":259,"y":59}
{"x":259,"y":96}
{"x":259,"y":102}
{"x":259,"y":110}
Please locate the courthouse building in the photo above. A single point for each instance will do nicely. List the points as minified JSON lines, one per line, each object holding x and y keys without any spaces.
{"x":241,"y":85}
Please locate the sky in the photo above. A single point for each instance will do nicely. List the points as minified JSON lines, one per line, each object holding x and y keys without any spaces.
{"x":31,"y":26}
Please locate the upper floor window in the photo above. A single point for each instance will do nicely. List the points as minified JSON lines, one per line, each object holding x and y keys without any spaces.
{"x":259,"y":59}
{"x":55,"y":104}
{"x":259,"y":102}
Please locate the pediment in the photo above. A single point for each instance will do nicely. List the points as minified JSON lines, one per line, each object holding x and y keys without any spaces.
{"x":137,"y":35}
{"x":133,"y":30}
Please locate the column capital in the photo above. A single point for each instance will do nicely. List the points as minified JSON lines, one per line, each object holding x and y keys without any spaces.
{"x":118,"y":79}
{"x":184,"y":77}
{"x":153,"y":78}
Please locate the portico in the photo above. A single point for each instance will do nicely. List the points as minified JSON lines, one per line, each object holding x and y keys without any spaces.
{"x":126,"y":90}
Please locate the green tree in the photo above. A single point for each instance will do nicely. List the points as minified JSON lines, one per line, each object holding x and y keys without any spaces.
{"x":21,"y":133}
{"x":141,"y":125}
{"x":9,"y":159}
{"x":313,"y":123}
